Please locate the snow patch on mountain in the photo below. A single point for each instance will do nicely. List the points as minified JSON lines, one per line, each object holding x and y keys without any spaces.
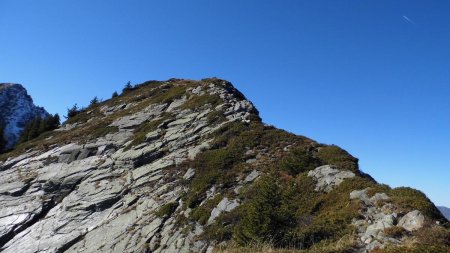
{"x":16,"y":109}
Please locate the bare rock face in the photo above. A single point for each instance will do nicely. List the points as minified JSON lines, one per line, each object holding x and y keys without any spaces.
{"x":16,"y":109}
{"x":103,"y":195}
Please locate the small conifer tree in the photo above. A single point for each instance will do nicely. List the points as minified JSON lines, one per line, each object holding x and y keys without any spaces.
{"x":128,"y":87}
{"x":52,"y":122}
{"x":72,"y":112}
{"x":37,"y":126}
{"x":94,"y":101}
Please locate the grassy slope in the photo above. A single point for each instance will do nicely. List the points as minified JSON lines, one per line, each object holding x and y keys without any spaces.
{"x":282,"y":208}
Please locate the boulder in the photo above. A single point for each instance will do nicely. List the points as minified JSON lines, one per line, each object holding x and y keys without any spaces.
{"x":412,"y":221}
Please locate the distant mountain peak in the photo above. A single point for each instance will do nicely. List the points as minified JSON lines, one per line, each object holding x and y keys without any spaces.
{"x":11,"y":86}
{"x":445,"y":211}
{"x":16,"y":109}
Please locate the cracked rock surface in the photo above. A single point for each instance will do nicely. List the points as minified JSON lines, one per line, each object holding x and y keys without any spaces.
{"x":103,"y":195}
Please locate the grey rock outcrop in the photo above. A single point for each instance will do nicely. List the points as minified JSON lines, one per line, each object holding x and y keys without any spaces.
{"x":378,"y":214}
{"x":328,"y":177}
{"x":104,"y":195}
{"x":376,"y":217}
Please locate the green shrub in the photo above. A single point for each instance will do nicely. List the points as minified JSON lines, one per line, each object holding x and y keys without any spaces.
{"x":298,"y":161}
{"x":38,"y":126}
{"x":395,"y":232}
{"x":167,"y":95}
{"x":261,"y":219}
{"x":143,"y":129}
{"x":73,"y":111}
{"x":197,"y":101}
{"x":202,"y":213}
{"x":215,"y":117}
{"x":334,"y":155}
{"x":128,"y":87}
{"x":409,"y":199}
{"x":167,"y":209}
{"x":222,"y":164}
{"x":320,"y":217}
{"x":291,"y":214}
{"x":80,"y":115}
{"x":226,"y":133}
{"x":102,"y":131}
{"x":94,"y":101}
{"x":222,"y":229}
{"x":211,"y":166}
{"x":282,"y":210}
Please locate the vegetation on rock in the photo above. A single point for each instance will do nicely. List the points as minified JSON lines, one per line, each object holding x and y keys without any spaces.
{"x":191,"y":163}
{"x":39,"y":126}
{"x":167,"y":209}
{"x":73,"y":111}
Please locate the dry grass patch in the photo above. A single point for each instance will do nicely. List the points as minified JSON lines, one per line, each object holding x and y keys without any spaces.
{"x":344,"y":245}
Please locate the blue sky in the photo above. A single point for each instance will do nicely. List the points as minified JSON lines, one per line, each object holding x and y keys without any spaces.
{"x":369,"y":76}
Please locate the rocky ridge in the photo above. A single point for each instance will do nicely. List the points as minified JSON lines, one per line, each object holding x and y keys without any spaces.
{"x":177,"y":166}
{"x":16,"y":110}
{"x":70,"y":196}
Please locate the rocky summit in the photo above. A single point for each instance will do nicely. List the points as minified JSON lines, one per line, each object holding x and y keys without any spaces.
{"x":16,"y":110}
{"x":189,"y":166}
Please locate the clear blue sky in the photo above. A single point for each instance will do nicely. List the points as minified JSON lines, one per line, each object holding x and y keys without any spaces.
{"x":370,"y":76}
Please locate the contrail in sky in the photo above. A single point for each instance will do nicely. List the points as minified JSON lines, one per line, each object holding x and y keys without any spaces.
{"x":409,"y":20}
